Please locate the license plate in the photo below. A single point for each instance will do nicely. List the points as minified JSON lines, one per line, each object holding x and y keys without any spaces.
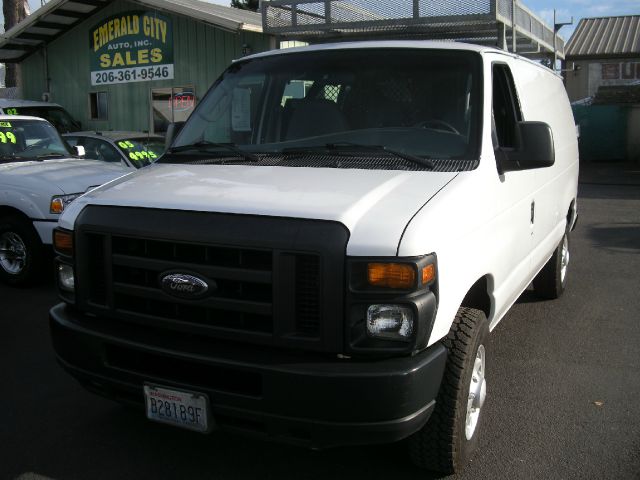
{"x":177,"y":407}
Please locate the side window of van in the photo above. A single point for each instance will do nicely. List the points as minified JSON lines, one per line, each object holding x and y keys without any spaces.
{"x":506,"y":109}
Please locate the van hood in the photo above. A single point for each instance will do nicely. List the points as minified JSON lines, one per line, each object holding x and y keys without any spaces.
{"x":67,"y":175}
{"x":375,"y":205}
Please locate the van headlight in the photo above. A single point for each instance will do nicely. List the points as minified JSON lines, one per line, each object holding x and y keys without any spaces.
{"x":59,"y":202}
{"x":390,"y":322}
{"x":391,"y":304}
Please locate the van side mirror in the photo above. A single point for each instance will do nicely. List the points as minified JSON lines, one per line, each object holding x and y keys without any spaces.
{"x":536,"y":150}
{"x":172,"y":132}
{"x":80,"y":151}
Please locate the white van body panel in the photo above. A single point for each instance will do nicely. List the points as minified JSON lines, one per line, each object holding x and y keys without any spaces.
{"x":480,"y":224}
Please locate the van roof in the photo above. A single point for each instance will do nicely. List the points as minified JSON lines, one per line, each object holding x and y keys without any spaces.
{"x":419,"y":44}
{"x":415,"y":44}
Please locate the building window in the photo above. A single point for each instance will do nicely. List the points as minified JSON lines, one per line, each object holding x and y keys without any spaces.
{"x":98,"y":105}
{"x":173,"y":104}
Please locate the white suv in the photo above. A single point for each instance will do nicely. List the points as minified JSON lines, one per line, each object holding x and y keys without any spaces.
{"x":322,"y":252}
{"x":38,"y":179}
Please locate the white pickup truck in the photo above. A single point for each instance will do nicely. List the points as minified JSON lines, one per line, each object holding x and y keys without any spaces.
{"x":322,"y":252}
{"x":38,"y":179}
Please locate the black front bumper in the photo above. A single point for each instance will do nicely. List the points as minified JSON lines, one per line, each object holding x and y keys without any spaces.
{"x":295,"y":397}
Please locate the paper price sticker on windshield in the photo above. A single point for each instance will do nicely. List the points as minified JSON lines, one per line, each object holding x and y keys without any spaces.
{"x":7,"y":137}
{"x":5,"y":124}
{"x":148,"y":154}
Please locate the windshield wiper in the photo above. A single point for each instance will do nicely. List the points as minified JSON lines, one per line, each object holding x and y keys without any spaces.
{"x":355,"y":147}
{"x":205,"y":145}
{"x":46,"y":156}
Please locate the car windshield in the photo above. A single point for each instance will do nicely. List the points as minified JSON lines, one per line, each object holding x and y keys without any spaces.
{"x":30,"y":140}
{"x":141,"y":151}
{"x":57,"y":116}
{"x":365,"y":106}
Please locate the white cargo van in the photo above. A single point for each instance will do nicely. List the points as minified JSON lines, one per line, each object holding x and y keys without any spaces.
{"x":321,"y":254}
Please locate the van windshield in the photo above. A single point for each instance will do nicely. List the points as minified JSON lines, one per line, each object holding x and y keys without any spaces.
{"x":372,"y":108}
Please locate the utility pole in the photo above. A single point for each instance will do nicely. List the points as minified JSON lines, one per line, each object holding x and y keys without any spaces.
{"x":556,"y":28}
{"x":14,"y":11}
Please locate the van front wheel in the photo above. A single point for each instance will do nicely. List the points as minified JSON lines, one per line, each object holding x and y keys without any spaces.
{"x":447,"y":441}
{"x":552,"y":279}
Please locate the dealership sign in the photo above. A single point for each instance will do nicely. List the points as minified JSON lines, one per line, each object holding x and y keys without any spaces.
{"x":131,"y":47}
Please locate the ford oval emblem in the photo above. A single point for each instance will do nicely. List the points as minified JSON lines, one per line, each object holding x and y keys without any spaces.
{"x":184,"y":285}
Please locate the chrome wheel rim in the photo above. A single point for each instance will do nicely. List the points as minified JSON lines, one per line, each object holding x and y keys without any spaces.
{"x":564,"y":258}
{"x":13,"y":253}
{"x":477,"y":393}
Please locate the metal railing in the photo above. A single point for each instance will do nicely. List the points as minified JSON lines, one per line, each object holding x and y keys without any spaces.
{"x":481,"y":21}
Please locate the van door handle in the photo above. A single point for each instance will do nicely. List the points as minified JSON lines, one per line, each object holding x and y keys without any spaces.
{"x":533,"y":211}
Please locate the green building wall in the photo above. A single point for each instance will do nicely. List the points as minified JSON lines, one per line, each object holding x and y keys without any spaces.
{"x":201,"y":53}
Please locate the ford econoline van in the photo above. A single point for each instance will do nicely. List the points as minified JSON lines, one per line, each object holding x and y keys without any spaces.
{"x":322,"y":252}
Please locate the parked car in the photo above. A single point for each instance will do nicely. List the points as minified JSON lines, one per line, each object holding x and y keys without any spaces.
{"x":38,"y":180}
{"x":52,"y":112}
{"x":320,"y":255}
{"x":135,"y":149}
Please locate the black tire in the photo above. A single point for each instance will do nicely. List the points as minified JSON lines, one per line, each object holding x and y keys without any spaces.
{"x":550,"y":283}
{"x":442,"y":444}
{"x":14,"y":227}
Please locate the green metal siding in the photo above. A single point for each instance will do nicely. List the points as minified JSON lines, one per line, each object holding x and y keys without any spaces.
{"x":603,"y":131}
{"x":33,"y":76}
{"x":201,"y":53}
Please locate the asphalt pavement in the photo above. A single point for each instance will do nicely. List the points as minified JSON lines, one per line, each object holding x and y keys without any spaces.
{"x":564,"y":385}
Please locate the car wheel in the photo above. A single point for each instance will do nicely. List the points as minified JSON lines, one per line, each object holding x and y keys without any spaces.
{"x":21,"y":252}
{"x":448,"y":439}
{"x":552,"y":279}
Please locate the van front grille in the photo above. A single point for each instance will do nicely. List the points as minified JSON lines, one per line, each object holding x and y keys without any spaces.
{"x":262,"y":290}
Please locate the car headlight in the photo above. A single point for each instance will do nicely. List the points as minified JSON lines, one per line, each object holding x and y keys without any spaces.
{"x":391,"y":322}
{"x":66,"y":277}
{"x":65,"y":269}
{"x":59,"y":202}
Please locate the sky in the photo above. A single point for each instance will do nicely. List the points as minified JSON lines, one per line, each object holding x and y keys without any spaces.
{"x":543,"y":8}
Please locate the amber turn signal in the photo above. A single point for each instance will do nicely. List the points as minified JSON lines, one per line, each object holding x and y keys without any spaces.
{"x":428,"y":273}
{"x":391,"y":275}
{"x":57,"y":205}
{"x":63,"y":242}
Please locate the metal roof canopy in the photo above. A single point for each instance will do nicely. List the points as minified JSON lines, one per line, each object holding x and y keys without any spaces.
{"x":605,"y":37}
{"x":485,"y":22}
{"x":59,"y":16}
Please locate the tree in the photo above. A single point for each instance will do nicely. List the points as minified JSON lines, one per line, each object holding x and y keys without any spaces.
{"x":14,"y":12}
{"x":246,"y":4}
